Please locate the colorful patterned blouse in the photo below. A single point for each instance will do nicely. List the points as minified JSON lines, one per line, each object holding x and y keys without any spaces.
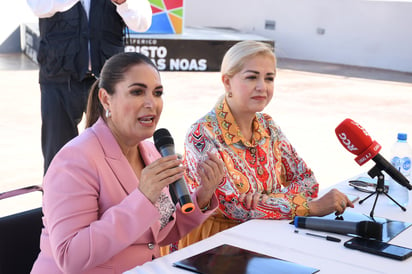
{"x":269,"y":164}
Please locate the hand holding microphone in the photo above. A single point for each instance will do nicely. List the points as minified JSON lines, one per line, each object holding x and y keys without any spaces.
{"x":178,"y":189}
{"x":158,"y":175}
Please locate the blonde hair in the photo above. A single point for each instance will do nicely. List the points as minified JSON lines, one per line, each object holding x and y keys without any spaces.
{"x":239,"y":53}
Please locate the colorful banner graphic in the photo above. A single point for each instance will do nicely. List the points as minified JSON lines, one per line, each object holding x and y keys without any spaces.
{"x":167,"y":17}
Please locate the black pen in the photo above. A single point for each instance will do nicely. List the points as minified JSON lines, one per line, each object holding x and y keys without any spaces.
{"x":328,"y":238}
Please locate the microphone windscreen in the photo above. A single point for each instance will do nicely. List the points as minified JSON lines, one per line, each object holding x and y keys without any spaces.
{"x":353,"y":136}
{"x":162,"y":137}
{"x":357,"y":141}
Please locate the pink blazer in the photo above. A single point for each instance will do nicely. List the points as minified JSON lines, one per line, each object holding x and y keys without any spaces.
{"x":95,"y":218}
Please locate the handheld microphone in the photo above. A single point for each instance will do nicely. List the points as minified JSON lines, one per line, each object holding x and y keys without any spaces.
{"x":365,"y":229}
{"x":178,"y":189}
{"x":357,"y":141}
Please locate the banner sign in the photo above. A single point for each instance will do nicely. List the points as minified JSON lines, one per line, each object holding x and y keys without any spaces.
{"x":167,"y":16}
{"x":168,"y":54}
{"x":182,"y":54}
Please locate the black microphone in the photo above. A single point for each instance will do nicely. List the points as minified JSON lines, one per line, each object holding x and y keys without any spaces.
{"x":178,"y":189}
{"x":365,"y":229}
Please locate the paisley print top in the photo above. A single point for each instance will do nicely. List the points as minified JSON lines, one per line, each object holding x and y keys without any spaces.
{"x":268,"y":164}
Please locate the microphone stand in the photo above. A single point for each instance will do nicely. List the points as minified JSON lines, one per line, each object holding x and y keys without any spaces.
{"x":377,"y":172}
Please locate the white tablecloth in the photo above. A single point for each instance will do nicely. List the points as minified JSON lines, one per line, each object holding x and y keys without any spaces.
{"x":277,"y":238}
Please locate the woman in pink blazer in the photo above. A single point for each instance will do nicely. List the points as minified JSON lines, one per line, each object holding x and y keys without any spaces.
{"x":106,"y":202}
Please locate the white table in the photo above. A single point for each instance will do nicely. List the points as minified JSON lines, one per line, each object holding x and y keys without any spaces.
{"x":277,"y":238}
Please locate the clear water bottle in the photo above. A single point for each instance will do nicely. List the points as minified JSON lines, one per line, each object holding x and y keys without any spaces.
{"x":401,"y":156}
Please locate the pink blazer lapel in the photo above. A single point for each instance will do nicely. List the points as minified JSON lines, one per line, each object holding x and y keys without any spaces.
{"x":148,"y":152}
{"x":114,"y":157}
{"x":117,"y":161}
{"x":124,"y":173}
{"x":121,"y":167}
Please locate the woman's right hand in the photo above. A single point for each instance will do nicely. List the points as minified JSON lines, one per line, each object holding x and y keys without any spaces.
{"x":158,"y":175}
{"x":211,"y":172}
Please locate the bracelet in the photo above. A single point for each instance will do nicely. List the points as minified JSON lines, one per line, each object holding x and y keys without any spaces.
{"x":206,"y":207}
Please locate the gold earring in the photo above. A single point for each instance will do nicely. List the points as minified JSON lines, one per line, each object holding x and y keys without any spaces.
{"x":229,"y":94}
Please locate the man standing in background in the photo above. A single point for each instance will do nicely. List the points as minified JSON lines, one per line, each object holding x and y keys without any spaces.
{"x":76,"y":38}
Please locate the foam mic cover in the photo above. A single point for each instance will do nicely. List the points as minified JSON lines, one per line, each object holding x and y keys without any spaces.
{"x":178,"y":189}
{"x":356,"y":140}
{"x":365,"y":229}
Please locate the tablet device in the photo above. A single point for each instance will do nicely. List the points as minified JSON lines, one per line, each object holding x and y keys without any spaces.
{"x":231,"y":259}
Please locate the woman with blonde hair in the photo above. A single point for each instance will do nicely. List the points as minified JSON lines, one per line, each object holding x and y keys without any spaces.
{"x":264,"y":176}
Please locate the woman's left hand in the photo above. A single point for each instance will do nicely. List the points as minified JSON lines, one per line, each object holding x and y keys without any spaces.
{"x":251,"y":200}
{"x":211,"y":173}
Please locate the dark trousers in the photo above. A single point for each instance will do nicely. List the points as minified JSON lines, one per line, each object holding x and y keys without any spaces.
{"x":62,"y":108}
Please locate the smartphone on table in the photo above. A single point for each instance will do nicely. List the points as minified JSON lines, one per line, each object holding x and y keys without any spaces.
{"x":379,"y":248}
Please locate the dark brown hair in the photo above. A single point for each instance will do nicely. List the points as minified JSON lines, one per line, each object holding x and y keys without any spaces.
{"x":112,"y":73}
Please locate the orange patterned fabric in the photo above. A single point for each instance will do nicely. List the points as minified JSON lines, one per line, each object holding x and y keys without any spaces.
{"x":267,"y":164}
